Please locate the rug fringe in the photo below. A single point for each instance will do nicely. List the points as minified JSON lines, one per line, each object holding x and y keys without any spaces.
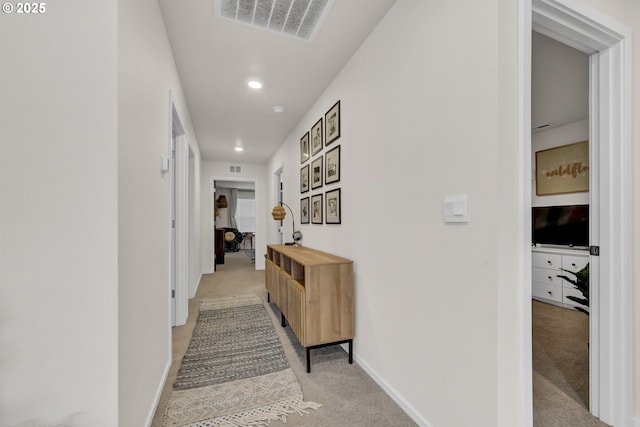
{"x":260,"y":417}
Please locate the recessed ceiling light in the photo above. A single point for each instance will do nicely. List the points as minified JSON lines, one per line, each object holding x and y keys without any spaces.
{"x":254,"y":84}
{"x":239,"y":149}
{"x":278,"y":109}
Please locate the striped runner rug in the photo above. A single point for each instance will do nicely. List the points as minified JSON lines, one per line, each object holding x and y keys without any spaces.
{"x":234,"y":372}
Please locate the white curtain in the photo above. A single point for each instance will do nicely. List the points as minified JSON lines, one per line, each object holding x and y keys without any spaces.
{"x":245,"y":211}
{"x":233,"y":203}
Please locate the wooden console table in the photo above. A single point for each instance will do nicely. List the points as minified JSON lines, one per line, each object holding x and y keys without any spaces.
{"x":314,"y":292}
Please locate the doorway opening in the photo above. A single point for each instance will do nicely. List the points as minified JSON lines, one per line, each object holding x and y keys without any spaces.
{"x":560,"y":231}
{"x":234,"y":225}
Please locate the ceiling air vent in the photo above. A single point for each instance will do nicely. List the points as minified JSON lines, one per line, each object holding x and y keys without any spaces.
{"x":296,"y":18}
{"x":235,"y":169}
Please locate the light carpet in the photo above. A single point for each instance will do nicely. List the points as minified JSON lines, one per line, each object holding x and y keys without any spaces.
{"x":251,"y":253}
{"x":234,"y":372}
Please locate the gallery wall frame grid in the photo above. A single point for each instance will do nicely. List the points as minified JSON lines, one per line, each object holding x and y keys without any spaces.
{"x":321,"y":168}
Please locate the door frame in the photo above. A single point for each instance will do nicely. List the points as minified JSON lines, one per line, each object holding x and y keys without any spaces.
{"x":212,"y":200}
{"x":180,"y":218}
{"x":608,"y":43}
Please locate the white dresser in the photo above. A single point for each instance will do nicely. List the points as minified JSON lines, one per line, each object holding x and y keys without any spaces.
{"x":546,"y":266}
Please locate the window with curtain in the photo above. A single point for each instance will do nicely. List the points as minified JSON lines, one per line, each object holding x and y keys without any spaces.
{"x":245,"y":211}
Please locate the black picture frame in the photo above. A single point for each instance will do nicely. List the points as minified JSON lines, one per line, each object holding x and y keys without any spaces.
{"x":332,"y":166}
{"x":304,"y":211}
{"x":316,"y":173}
{"x":333,"y":210}
{"x":304,"y":179}
{"x":316,"y":138}
{"x":332,"y":123}
{"x":316,"y":209}
{"x":304,"y":148}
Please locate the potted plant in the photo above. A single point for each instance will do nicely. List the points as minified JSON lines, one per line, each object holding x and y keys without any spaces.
{"x":581,"y":282}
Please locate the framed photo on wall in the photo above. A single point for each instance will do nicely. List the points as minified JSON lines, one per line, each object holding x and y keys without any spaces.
{"x":332,"y":122}
{"x":316,"y":209}
{"x":316,"y":137}
{"x":304,"y":211}
{"x":332,"y":166}
{"x":304,"y":148}
{"x":316,"y":173}
{"x":333,"y":206}
{"x":563,"y":169}
{"x":304,"y":179}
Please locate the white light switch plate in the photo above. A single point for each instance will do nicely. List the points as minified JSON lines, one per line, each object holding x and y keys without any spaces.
{"x":456,"y":208}
{"x":164,"y":163}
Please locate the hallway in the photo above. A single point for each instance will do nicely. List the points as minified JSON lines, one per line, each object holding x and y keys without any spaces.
{"x":348,"y":395}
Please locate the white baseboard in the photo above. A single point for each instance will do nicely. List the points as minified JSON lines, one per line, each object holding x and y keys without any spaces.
{"x":195,"y":288}
{"x":156,"y":400}
{"x":393,"y":394}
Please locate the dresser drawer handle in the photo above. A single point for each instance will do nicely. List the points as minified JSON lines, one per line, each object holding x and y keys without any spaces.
{"x":549,"y":262}
{"x":550,"y":293}
{"x":550,"y":278}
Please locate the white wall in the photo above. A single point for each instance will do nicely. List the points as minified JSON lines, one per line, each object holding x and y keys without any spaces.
{"x":634,"y":22}
{"x":250,"y":173}
{"x":420,"y":120}
{"x":563,"y":135}
{"x":146,"y":75}
{"x":58,"y":250}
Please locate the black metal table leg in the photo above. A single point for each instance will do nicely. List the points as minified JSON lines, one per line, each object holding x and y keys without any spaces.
{"x":351,"y":352}
{"x":283,"y":321}
{"x":349,"y":341}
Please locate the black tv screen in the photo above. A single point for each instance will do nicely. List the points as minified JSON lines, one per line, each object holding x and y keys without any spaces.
{"x":561,"y":225}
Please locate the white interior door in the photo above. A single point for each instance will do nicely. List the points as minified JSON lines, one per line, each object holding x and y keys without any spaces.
{"x":180,"y":215}
{"x":182,"y":263}
{"x":172,"y":169}
{"x":594,"y":236}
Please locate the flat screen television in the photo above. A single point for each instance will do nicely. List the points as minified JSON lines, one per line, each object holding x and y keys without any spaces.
{"x":561,"y":225}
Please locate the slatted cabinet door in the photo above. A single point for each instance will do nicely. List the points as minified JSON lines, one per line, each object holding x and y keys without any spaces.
{"x":296,"y":309}
{"x":283,"y":292}
{"x":271,"y":281}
